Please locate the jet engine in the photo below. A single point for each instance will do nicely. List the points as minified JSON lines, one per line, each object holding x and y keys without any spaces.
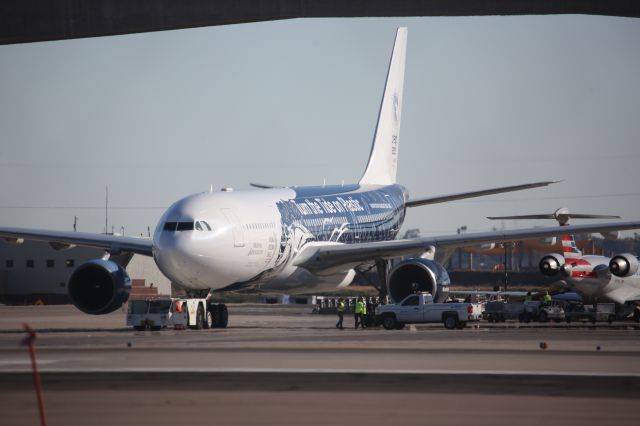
{"x":551,"y":264}
{"x":418,"y":274}
{"x":624,"y":265}
{"x":99,"y":287}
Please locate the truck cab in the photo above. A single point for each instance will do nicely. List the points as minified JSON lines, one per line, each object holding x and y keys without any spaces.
{"x":420,"y":308}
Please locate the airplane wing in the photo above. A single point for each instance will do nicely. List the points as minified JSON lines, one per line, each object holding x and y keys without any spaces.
{"x":414,"y":202}
{"x":319,"y":257}
{"x":60,"y":239}
{"x":493,"y":293}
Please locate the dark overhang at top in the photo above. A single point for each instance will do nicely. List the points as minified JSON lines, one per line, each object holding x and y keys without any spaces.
{"x":23,"y":21}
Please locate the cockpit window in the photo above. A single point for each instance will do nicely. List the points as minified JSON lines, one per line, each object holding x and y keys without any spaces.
{"x":185,"y":226}
{"x":170,"y":226}
{"x":202,"y":225}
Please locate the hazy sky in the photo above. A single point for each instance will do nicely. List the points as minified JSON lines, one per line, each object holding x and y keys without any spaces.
{"x":489,"y":101}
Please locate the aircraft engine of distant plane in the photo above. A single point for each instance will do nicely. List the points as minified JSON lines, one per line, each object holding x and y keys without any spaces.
{"x":99,"y":287}
{"x":416,"y":275}
{"x":551,"y":264}
{"x":624,"y":265}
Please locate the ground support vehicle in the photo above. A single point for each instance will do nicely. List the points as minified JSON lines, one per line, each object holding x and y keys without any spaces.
{"x":551,"y":312}
{"x":600,"y":312}
{"x":537,"y":311}
{"x":501,"y":311}
{"x":419,"y":308}
{"x":178,"y":313}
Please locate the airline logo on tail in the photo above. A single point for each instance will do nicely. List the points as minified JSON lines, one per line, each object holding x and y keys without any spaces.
{"x":569,"y":248}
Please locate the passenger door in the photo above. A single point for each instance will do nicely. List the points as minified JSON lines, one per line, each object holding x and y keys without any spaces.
{"x":236,"y":227}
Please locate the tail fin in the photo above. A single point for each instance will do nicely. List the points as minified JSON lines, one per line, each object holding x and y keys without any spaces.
{"x":569,"y":248}
{"x":383,"y":160}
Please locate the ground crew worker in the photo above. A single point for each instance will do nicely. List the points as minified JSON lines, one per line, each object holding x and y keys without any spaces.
{"x":357,"y":313}
{"x":528,"y":297}
{"x":363,"y":314}
{"x":341,"y":308}
{"x":547,"y":299}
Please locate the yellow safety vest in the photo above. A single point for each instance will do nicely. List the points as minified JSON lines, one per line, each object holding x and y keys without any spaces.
{"x":359,"y":307}
{"x":340,"y":306}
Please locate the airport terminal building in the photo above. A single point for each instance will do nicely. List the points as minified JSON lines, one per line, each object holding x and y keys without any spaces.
{"x":35,"y":272}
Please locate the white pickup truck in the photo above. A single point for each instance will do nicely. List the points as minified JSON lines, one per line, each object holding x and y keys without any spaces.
{"x":419,"y":308}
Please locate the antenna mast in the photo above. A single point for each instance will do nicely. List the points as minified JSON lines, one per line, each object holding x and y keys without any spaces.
{"x":106,"y":210}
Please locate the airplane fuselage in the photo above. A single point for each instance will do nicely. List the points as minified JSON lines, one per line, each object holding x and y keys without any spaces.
{"x":235,"y":238}
{"x":590,"y":276}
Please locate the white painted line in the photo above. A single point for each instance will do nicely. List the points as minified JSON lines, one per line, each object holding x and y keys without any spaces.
{"x":329,"y":371}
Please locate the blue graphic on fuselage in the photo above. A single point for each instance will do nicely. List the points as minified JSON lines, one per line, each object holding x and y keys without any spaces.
{"x":345,"y":214}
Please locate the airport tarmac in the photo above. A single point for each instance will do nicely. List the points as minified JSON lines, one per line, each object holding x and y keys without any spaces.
{"x":284,"y":365}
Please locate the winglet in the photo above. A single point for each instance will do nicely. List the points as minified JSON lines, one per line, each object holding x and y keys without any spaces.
{"x":383,"y":159}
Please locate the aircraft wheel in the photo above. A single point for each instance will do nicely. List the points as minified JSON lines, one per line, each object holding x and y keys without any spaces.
{"x":221,"y":317}
{"x":199,"y":318}
{"x":208,"y":318}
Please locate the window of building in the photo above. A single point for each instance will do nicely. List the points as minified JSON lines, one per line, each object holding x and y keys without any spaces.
{"x":30,"y":263}
{"x":50,"y":263}
{"x":9,"y":263}
{"x":70,"y":263}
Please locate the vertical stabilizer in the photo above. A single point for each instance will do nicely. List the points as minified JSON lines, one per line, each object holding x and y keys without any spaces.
{"x":569,"y":248}
{"x":383,"y":160}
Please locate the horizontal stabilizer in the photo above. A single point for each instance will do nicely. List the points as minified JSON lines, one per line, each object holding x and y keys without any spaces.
{"x":414,"y":202}
{"x":562,"y":215}
{"x":263,"y":186}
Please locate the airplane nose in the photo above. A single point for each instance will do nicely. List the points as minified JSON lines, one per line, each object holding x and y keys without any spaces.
{"x":173,"y":256}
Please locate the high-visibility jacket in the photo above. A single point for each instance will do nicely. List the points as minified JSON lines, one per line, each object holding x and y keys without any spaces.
{"x":364,"y":308}
{"x":340,"y":306}
{"x":547,"y":298}
{"x":359,"y":307}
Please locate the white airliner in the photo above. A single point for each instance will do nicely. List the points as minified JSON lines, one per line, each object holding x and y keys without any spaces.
{"x":615,"y":279}
{"x":283,"y":237}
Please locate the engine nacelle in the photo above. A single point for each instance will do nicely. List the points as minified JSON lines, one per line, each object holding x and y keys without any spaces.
{"x":99,"y":287}
{"x":624,"y":265}
{"x":551,"y":264}
{"x":419,"y":274}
